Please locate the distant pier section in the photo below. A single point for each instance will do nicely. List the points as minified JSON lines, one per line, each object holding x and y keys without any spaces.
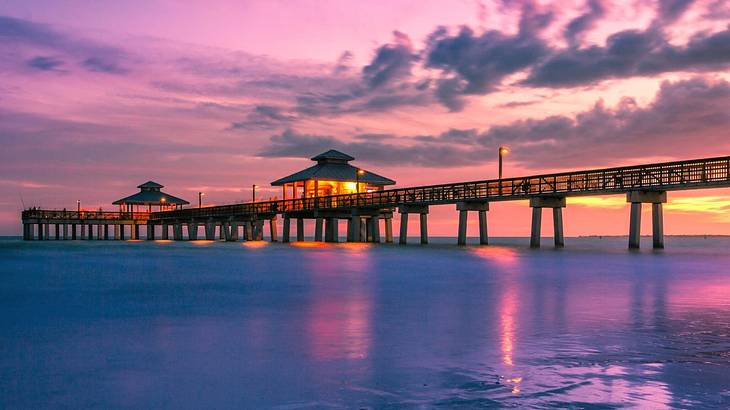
{"x":334,"y":190}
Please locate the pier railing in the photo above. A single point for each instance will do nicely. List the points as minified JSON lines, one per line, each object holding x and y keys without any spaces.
{"x":60,"y":215}
{"x":678,"y":175}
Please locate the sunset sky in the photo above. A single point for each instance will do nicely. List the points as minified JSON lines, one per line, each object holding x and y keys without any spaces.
{"x":98,"y":97}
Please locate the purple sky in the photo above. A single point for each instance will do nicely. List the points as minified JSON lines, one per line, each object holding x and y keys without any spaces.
{"x":97,"y":97}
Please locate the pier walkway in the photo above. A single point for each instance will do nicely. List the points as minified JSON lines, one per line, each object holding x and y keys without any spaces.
{"x":641,"y":184}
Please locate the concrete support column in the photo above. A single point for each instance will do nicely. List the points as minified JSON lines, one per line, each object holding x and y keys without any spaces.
{"x":657,"y":219}
{"x":300,"y":229}
{"x":286,"y":230}
{"x":165,"y":234}
{"x":558,"y":227}
{"x":57,"y":232}
{"x":25,"y":231}
{"x":210,"y":231}
{"x":192,"y":231}
{"x":483,"y":233}
{"x":91,"y":231}
{"x":47,"y":231}
{"x":135,"y":231}
{"x":272,"y":230}
{"x":100,"y":232}
{"x":83,"y":231}
{"x":330,"y":230}
{"x":121,"y":232}
{"x":388,"y":229}
{"x":249,"y":231}
{"x":375,"y":228}
{"x":635,"y":226}
{"x":233,"y":228}
{"x":354,"y":229}
{"x":536,"y":227}
{"x":656,"y":199}
{"x":364,"y":230}
{"x":177,"y":231}
{"x":422,"y":210}
{"x":403,"y":238}
{"x":73,"y":231}
{"x":318,"y":229}
{"x":464,"y":207}
{"x":556,"y":203}
{"x":222,"y":227}
{"x":260,"y":230}
{"x":461,"y":240}
{"x":424,"y":228}
{"x":117,"y":236}
{"x":65,"y":232}
{"x":106,"y":232}
{"x":150,"y":232}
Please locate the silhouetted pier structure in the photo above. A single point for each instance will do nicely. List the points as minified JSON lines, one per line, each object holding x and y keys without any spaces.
{"x":366,"y":211}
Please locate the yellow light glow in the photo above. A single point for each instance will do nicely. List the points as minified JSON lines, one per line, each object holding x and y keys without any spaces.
{"x":254,"y":244}
{"x":308,"y":244}
{"x":163,"y":241}
{"x":503,"y":150}
{"x":360,"y":172}
{"x":350,"y":186}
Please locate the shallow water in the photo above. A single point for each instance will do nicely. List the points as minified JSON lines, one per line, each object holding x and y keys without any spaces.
{"x":232,"y":325}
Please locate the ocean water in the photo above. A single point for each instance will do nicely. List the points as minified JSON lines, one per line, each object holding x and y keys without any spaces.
{"x":89,"y":324}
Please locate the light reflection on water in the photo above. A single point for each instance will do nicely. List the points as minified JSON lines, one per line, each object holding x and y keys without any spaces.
{"x":226,"y":325}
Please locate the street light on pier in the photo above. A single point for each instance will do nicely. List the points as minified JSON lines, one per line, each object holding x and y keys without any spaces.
{"x":358,"y":174}
{"x":78,"y":205}
{"x":253,"y":192}
{"x":200,"y":199}
{"x":502,"y":151}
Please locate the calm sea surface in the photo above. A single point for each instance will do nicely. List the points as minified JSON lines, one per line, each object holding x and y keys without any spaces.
{"x":257,"y":325}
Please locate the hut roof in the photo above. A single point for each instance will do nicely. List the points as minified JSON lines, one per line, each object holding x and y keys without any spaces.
{"x":150,"y":194}
{"x":333,"y":166}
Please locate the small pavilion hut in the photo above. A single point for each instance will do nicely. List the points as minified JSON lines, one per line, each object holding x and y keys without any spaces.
{"x":332,"y":175}
{"x":150,"y":194}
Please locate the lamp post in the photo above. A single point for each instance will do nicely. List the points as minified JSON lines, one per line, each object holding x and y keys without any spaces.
{"x":200,"y":199}
{"x":502,"y":152}
{"x":78,"y":205}
{"x":253,"y":192}
{"x":357,"y":179}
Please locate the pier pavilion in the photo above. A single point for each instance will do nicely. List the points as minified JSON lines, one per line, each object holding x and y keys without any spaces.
{"x":332,"y":175}
{"x":150,"y":194}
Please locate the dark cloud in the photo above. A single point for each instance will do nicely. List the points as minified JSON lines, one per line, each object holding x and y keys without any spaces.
{"x":631,"y":53}
{"x":91,"y":56}
{"x":392,"y":62}
{"x":264,"y":117}
{"x":45,"y":63}
{"x":692,"y":110}
{"x":669,"y":11}
{"x":584,"y":22}
{"x":433,"y":153}
{"x":476,"y":64}
{"x":683,"y":111}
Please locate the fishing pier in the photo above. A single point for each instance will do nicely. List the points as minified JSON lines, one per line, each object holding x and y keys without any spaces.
{"x":334,"y":190}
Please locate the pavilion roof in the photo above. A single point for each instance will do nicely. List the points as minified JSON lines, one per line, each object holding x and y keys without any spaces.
{"x":150,"y":194}
{"x":334,"y":172}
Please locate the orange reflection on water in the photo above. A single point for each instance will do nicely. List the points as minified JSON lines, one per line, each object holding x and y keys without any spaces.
{"x":254,"y":244}
{"x":202,"y":242}
{"x":163,"y":241}
{"x":135,"y":240}
{"x":497,"y":254}
{"x":309,"y":244}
